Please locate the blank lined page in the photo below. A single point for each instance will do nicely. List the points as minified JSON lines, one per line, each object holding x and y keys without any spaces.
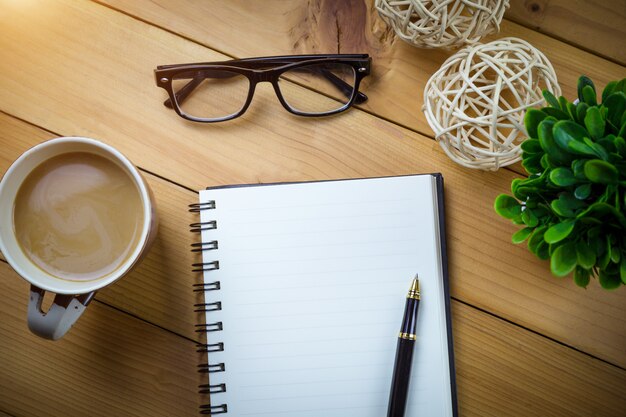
{"x":313,"y":280}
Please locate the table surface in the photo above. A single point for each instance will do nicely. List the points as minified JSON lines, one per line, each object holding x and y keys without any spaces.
{"x":526,"y":343}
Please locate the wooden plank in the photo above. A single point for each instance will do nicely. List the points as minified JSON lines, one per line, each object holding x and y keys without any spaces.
{"x":401,"y":71}
{"x":161,"y":297}
{"x":113,"y":364}
{"x":110,"y":364}
{"x":506,"y":371}
{"x":595,"y":25}
{"x":486,"y":269}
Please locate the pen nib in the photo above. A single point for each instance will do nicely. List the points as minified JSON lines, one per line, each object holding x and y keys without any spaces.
{"x":414,"y":291}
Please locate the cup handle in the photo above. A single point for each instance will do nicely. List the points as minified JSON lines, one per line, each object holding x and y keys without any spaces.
{"x":61,"y":315}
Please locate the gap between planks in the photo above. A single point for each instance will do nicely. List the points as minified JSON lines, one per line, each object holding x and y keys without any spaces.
{"x":513,"y":168}
{"x":477,"y":308}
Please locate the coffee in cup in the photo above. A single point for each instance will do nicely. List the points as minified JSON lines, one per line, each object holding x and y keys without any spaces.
{"x":78,"y":216}
{"x":75,"y":216}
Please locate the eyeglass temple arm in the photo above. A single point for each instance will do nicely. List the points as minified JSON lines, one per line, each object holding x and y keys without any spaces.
{"x":184,"y":92}
{"x":343,"y":86}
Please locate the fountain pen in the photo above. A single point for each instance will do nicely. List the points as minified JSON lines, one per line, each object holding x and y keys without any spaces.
{"x":404,"y":353}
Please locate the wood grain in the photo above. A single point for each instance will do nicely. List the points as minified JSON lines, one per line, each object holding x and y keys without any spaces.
{"x":242,"y":28}
{"x":46,"y":85}
{"x":80,"y":68}
{"x":594,"y":25}
{"x":109,"y":364}
{"x":159,"y":289}
{"x":503,"y":370}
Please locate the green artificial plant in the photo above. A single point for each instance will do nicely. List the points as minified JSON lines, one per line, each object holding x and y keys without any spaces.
{"x":573,"y":203}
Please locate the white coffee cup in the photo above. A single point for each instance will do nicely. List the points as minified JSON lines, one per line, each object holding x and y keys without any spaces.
{"x":72,"y":297}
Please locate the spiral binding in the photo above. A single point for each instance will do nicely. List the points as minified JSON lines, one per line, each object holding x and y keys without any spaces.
{"x":201,"y":268}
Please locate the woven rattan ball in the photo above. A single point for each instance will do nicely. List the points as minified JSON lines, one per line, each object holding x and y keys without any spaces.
{"x":475,"y":103}
{"x":442,"y":23}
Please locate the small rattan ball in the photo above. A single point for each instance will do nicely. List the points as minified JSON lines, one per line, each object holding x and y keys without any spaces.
{"x":475,"y":103}
{"x":442,"y":23}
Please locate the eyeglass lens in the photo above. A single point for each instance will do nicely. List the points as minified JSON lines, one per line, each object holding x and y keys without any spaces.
{"x":318,"y":88}
{"x":210,"y":94}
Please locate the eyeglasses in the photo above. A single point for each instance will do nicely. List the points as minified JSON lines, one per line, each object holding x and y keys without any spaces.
{"x":306,"y":85}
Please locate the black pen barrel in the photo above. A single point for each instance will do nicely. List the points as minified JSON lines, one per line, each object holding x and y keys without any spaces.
{"x":400,"y":379}
{"x":404,"y":356}
{"x":409,"y":320}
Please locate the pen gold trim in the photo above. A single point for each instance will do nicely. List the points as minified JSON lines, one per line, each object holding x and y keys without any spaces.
{"x":407,"y":336}
{"x":414,"y":291}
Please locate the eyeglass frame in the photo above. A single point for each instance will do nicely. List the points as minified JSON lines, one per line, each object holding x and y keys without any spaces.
{"x":255,"y":69}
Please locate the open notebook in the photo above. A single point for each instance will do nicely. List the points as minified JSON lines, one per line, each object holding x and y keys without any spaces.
{"x":305,"y":286}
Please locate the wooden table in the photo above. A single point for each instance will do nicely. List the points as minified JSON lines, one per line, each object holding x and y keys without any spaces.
{"x":526,"y":343}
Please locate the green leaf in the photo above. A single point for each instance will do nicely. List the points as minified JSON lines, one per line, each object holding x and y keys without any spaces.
{"x":597,"y":245}
{"x":620,"y":145}
{"x":622,"y":270}
{"x":543,"y":250}
{"x":531,"y":121}
{"x":608,"y":89}
{"x":531,"y":146}
{"x":566,"y":131}
{"x":532,"y":164}
{"x":585,"y":256}
{"x":581,"y":277}
{"x":622,"y":131}
{"x":546,"y":140}
{"x":559,"y":231}
{"x":521,"y":235}
{"x":621,"y":86}
{"x":581,"y":148}
{"x":571,"y":110}
{"x":532,"y":203}
{"x":582,"y":82}
{"x":536,"y":238}
{"x":547,"y":163}
{"x":562,"y":177}
{"x":551,"y":99}
{"x":604,"y":211}
{"x":615,"y":255}
{"x":563,"y":103}
{"x":566,"y":205}
{"x":524,"y":192}
{"x":578,"y":168}
{"x":515,"y":185}
{"x":616,"y":105}
{"x":598,"y":149}
{"x":518,"y":219}
{"x":608,"y":145}
{"x":594,"y":123}
{"x":601,"y":172}
{"x":581,"y":111}
{"x":507,"y":207}
{"x":563,"y":260}
{"x":589,"y":95}
{"x":605,"y":257}
{"x":529,"y":218}
{"x":609,"y":281}
{"x":582,"y":191}
{"x":556,"y":113}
